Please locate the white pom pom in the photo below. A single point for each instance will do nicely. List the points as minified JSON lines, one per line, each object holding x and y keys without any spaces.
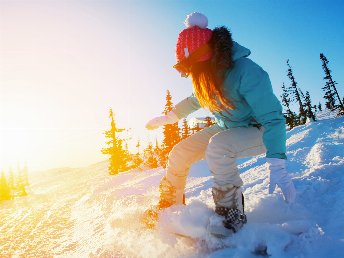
{"x":196,"y":19}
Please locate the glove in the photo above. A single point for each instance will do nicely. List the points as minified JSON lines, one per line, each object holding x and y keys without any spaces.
{"x":280,"y":177}
{"x":156,"y":122}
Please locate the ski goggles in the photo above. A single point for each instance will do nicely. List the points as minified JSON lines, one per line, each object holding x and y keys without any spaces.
{"x":201,"y":54}
{"x":183,"y":68}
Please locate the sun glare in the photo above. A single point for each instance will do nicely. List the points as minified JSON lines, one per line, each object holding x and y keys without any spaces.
{"x":14,"y":148}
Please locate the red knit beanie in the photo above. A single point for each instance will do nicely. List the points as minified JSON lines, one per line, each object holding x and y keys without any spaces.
{"x":193,"y":37}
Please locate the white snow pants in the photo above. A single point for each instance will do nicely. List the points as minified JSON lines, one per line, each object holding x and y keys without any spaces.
{"x":221,"y":148}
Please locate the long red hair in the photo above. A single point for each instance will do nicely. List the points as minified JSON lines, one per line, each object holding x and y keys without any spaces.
{"x":208,"y":76}
{"x":208,"y":87}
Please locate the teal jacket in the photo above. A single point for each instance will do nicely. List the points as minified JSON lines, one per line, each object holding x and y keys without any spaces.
{"x":249,"y":88}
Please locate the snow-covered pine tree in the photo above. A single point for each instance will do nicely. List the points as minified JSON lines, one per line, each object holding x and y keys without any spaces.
{"x":330,"y":89}
{"x":5,"y":190}
{"x":170,"y":132}
{"x":185,"y":129}
{"x":308,"y":107}
{"x":118,"y":156}
{"x":319,"y":107}
{"x":297,"y":95}
{"x":290,"y":116}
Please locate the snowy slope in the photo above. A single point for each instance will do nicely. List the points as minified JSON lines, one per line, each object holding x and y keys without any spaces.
{"x":85,"y":213}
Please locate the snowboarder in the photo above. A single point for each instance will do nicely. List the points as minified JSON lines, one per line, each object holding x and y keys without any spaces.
{"x":249,"y":121}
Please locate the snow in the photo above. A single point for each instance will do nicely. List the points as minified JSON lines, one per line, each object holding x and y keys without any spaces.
{"x":86,"y":213}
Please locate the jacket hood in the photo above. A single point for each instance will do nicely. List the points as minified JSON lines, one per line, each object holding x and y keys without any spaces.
{"x":239,"y":51}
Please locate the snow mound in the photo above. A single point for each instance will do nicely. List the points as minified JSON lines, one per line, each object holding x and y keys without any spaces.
{"x":94,"y":215}
{"x":312,"y":227}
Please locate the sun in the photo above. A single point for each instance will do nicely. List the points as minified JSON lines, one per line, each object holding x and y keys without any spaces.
{"x":14,"y":147}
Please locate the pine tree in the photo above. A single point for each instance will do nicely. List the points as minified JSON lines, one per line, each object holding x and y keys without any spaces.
{"x":289,"y":115}
{"x":329,"y":97}
{"x":26,"y":175}
{"x":170,"y":132}
{"x":208,"y":121}
{"x":150,"y":159}
{"x":138,"y":145}
{"x":185,"y":130}
{"x":11,"y":182}
{"x":297,"y":95}
{"x":5,"y":191}
{"x":319,"y":107}
{"x":196,"y":128}
{"x":329,"y":94}
{"x":158,"y":153}
{"x":136,"y":158}
{"x":118,"y":156}
{"x":330,"y":89}
{"x":21,"y":182}
{"x":308,"y":107}
{"x":127,"y":157}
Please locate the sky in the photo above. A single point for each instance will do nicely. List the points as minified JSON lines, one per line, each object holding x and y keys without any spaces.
{"x":64,"y":63}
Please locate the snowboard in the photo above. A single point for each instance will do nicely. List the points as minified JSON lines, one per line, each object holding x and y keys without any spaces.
{"x":214,"y":227}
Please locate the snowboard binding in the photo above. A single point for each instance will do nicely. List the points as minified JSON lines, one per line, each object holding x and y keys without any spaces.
{"x":229,"y":207}
{"x":233,"y":220}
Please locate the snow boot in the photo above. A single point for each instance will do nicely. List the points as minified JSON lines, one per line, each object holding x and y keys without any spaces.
{"x":169,"y":195}
{"x":229,"y":209}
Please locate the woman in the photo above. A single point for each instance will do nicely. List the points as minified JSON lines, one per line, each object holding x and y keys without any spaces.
{"x":249,"y":121}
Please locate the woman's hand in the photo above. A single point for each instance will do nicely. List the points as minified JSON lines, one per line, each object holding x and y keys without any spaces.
{"x":279,"y":176}
{"x":156,"y":122}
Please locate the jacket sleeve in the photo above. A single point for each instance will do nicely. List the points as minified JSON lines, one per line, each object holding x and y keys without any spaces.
{"x":256,"y":90}
{"x":186,"y":107}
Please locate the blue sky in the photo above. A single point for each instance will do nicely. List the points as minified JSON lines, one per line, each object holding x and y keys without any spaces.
{"x":63,"y":64}
{"x":274,"y":31}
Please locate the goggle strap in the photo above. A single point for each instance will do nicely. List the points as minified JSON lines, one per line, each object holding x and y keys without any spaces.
{"x":194,"y":57}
